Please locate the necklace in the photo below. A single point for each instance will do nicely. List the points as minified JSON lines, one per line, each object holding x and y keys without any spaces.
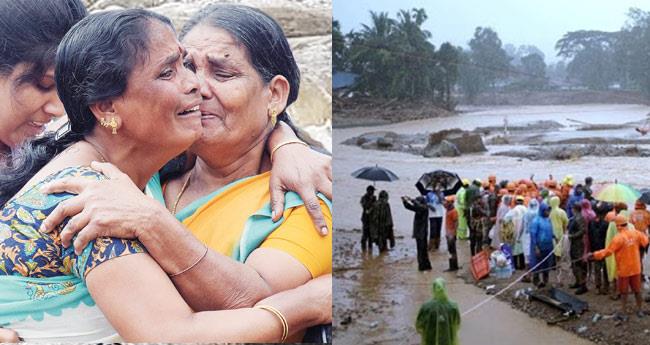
{"x":183,"y":188}
{"x":104,"y":160}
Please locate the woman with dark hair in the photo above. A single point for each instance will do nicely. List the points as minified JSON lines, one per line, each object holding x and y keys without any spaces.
{"x":28,"y":102}
{"x":247,"y":77}
{"x":28,"y":99}
{"x":117,"y":74}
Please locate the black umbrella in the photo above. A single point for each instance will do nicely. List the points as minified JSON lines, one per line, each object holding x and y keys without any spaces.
{"x":645,"y":196}
{"x":444,"y":181}
{"x":375,"y":173}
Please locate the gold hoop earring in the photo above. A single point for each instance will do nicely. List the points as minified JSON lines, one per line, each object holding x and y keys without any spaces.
{"x":112,"y":124}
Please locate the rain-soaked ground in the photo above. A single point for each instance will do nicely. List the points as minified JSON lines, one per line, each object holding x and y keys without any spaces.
{"x":377,"y":298}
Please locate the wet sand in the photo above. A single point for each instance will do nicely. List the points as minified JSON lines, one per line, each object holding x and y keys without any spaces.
{"x":393,"y":290}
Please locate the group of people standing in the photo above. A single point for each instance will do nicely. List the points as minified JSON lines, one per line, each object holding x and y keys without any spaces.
{"x":560,"y":227}
{"x":429,"y":209}
{"x":542,"y":226}
{"x":377,"y":221}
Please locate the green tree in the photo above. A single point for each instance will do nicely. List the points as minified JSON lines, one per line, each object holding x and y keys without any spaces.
{"x":449,"y":59}
{"x":338,"y":47}
{"x":592,"y":56}
{"x":470,"y":76}
{"x":394,"y":57}
{"x":489,"y":56}
{"x":372,"y":54}
{"x":533,"y":70}
{"x":415,"y":77}
{"x":633,"y":51}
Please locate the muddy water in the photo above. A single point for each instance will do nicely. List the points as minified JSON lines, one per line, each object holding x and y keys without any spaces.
{"x":389,"y":287}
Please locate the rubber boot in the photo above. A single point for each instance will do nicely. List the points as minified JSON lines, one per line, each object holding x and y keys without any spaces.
{"x":453,"y":265}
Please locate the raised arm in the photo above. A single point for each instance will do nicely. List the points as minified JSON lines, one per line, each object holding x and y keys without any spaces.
{"x":408,"y":205}
{"x":142,"y":304}
{"x":298,"y":168}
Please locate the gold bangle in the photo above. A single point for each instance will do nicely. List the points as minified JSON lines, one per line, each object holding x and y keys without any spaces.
{"x":292,"y":141}
{"x":278,"y":314}
{"x":191,"y":266}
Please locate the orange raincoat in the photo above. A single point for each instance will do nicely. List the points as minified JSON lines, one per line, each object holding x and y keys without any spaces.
{"x":625,"y":247}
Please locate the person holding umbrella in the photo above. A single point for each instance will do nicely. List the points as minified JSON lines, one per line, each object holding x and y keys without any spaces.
{"x":436,"y":210}
{"x":368,"y":201}
{"x":383,"y":222}
{"x":420,"y":225}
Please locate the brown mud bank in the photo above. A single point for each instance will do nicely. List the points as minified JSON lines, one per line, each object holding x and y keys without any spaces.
{"x":564,"y":97}
{"x":367,"y":111}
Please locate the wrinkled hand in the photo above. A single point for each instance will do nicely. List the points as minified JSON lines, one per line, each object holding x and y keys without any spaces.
{"x":105,"y":208}
{"x":302,"y":170}
{"x":8,"y":336}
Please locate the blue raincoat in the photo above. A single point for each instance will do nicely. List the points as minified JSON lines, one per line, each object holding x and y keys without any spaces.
{"x":541,"y":235}
{"x":529,"y":216}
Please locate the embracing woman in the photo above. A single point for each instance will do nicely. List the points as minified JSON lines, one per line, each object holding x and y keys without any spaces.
{"x":148,"y":111}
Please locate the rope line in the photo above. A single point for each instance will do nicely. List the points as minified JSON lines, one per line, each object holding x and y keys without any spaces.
{"x":487,"y":300}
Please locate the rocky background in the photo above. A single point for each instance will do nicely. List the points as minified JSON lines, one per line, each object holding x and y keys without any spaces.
{"x":307,"y":24}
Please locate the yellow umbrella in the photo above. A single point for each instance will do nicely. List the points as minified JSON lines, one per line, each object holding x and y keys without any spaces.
{"x":618,"y":192}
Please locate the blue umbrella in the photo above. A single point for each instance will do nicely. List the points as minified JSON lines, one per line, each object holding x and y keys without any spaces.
{"x":375,"y":173}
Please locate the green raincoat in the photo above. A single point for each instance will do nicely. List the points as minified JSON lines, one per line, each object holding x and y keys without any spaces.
{"x":610,"y":261}
{"x":438,"y":320}
{"x":560,"y":221}
{"x":462,"y":232}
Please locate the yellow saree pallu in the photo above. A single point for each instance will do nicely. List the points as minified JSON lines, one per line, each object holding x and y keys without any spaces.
{"x":236,"y":219}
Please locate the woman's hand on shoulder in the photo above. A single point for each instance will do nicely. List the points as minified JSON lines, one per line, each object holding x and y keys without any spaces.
{"x":302,"y":170}
{"x":105,"y":208}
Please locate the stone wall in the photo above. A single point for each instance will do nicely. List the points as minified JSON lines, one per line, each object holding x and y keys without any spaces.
{"x":307,"y":24}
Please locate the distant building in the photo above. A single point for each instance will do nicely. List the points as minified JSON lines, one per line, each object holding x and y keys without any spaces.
{"x":343,"y":80}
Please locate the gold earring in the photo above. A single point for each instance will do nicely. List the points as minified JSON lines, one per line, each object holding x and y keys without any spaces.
{"x":109,"y":124}
{"x":274,"y":117}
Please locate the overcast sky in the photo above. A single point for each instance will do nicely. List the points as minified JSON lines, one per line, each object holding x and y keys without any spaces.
{"x":537,"y":22}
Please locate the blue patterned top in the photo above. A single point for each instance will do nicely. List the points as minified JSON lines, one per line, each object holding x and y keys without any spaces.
{"x":24,"y":251}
